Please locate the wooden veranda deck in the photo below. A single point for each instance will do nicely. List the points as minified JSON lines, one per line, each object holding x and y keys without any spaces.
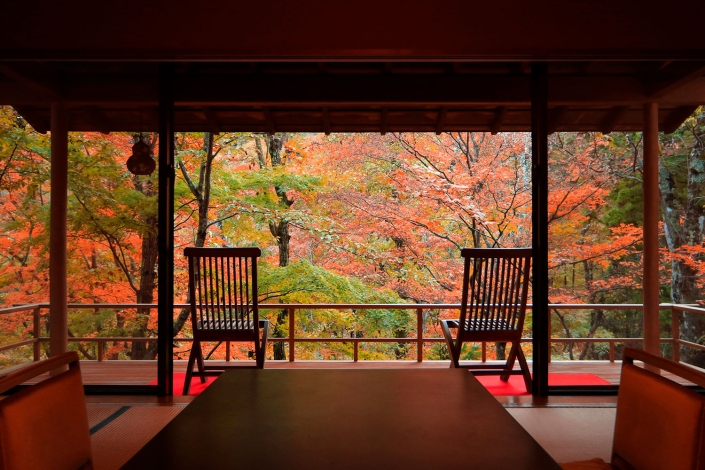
{"x":142,"y":372}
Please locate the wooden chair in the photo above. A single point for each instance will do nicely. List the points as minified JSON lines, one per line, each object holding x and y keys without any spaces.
{"x":493,"y":306}
{"x":660,"y":424}
{"x":223,"y":298}
{"x":45,"y":426}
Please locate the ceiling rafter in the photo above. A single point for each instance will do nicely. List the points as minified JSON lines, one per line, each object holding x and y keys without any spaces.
{"x":496,"y":124}
{"x":673,"y":76}
{"x":326,"y":121}
{"x":96,"y":115}
{"x":555,"y":117}
{"x":212,"y":120}
{"x":441,"y":119}
{"x":269,"y":121}
{"x":676,"y":118}
{"x":613,"y":117}
{"x":26,"y":79}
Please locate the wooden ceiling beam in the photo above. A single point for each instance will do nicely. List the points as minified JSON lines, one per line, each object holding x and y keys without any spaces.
{"x":676,"y":118}
{"x":27,"y":80}
{"x":614,"y":116}
{"x":384,"y":120}
{"x":498,"y":120}
{"x":555,"y":117}
{"x":326,"y":121}
{"x":355,"y":120}
{"x":350,"y":90}
{"x":39,"y":121}
{"x":269,"y":121}
{"x":101,"y":121}
{"x":212,"y":120}
{"x":441,"y":119}
{"x":673,"y":76}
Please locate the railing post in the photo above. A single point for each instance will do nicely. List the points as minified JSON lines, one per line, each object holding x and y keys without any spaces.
{"x":676,"y":333}
{"x":227,"y":351}
{"x":355,"y":350}
{"x":36,"y":331}
{"x":611,"y":351}
{"x":419,"y":335}
{"x":291,"y":333}
{"x":101,"y":350}
{"x":484,"y":351}
{"x":550,"y":343}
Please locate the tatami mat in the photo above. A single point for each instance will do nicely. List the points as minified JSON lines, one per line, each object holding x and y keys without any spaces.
{"x":123,"y":430}
{"x":570,"y":434}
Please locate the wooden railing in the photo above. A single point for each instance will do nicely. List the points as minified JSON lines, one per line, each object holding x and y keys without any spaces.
{"x":420,"y":339}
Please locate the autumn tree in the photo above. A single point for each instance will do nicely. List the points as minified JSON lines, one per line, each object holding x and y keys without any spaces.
{"x":594,"y":256}
{"x":682,"y":185}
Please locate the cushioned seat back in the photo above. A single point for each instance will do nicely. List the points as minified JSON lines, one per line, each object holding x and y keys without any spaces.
{"x":45,"y":426}
{"x":659,"y":423}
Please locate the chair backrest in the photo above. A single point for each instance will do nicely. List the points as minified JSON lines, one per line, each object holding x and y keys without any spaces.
{"x":495,"y":289}
{"x":45,"y":425}
{"x":660,"y":424}
{"x":223,"y":288}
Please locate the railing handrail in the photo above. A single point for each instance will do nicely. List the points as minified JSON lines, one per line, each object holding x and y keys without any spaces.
{"x":663,"y":306}
{"x":292,"y":339}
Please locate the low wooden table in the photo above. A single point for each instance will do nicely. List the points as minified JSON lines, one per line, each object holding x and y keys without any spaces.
{"x":340,"y":419}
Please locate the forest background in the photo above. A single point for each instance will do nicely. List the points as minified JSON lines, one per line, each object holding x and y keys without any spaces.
{"x":352,"y":218}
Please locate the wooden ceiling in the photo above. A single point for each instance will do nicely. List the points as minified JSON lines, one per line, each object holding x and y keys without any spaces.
{"x":354,"y":97}
{"x":380,"y":66}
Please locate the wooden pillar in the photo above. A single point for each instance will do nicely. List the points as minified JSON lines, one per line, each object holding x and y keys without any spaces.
{"x":58,"y":291}
{"x":650,"y":280}
{"x":165,"y":353}
{"x":539,"y":227}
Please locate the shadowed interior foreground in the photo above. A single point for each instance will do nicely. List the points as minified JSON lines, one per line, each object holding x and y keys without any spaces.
{"x":123,"y":428}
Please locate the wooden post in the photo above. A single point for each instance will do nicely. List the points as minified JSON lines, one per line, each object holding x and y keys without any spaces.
{"x":58,"y":290}
{"x":650,"y":280}
{"x":292,"y":332}
{"x":419,"y":335}
{"x":165,"y":349}
{"x":676,"y":333}
{"x":539,"y":226}
{"x":36,"y":331}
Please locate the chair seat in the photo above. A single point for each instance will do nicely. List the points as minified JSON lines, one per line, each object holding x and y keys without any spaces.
{"x":227,"y":325}
{"x":594,"y":464}
{"x":485,"y":324}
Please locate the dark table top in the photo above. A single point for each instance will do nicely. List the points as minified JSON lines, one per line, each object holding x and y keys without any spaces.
{"x":339,"y":419}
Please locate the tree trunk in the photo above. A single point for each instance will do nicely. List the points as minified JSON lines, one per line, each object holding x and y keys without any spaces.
{"x":202,"y":194}
{"x":683,"y":226}
{"x":145,"y":295}
{"x":280,"y":231}
{"x":148,"y":277}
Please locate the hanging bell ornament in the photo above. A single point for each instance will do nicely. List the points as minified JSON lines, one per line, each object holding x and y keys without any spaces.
{"x":141,"y":161}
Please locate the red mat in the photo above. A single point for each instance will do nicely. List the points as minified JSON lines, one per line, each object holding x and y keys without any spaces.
{"x":196,"y":386}
{"x":515,"y":385}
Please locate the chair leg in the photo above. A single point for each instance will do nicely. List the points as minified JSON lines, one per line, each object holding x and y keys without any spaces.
{"x":199,"y":362}
{"x":189,"y":368}
{"x":510,"y":361}
{"x":262,"y":350}
{"x":525,"y":369}
{"x":454,"y":354}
